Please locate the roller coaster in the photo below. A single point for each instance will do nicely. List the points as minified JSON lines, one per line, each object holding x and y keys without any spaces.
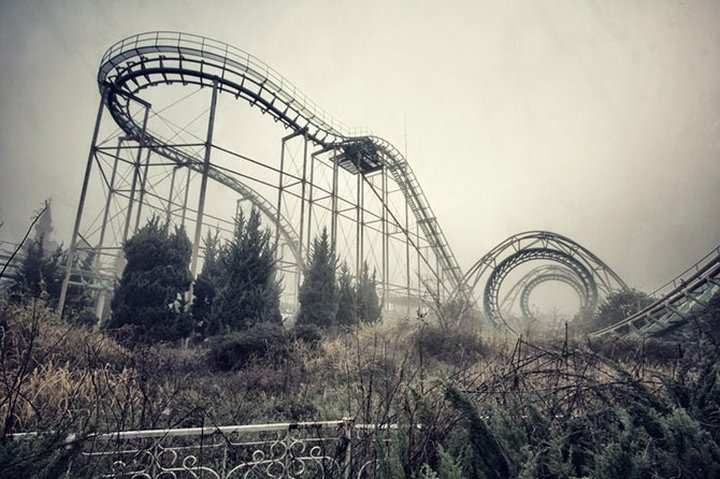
{"x":358,"y":186}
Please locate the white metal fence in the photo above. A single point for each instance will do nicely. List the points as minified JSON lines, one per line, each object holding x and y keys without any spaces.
{"x":322,"y":449}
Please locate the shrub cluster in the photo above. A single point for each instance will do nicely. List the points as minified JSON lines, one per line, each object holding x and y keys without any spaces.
{"x":264,"y":341}
{"x":449,"y":345}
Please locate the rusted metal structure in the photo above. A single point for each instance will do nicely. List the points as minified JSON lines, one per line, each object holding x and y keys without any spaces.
{"x":358,"y":186}
{"x":385,"y":218}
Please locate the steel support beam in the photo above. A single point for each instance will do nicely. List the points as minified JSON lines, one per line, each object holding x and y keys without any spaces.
{"x":81,"y":206}
{"x":278,"y":209}
{"x":310,"y":202}
{"x":185,"y":198}
{"x":168,"y":211}
{"x":136,"y":174}
{"x":203,"y":188}
{"x":359,"y":219}
{"x":143,"y":184}
{"x":303,"y":186}
{"x":100,"y":300}
{"x":334,"y":204}
{"x":385,"y":265}
{"x":407,"y":256}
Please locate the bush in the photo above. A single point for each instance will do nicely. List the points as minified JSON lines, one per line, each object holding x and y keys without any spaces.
{"x":449,"y":345}
{"x":620,"y":305}
{"x":308,"y":334}
{"x":631,"y":349}
{"x":235,"y":350}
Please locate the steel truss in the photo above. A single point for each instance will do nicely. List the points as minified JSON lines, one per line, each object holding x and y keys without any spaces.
{"x":370,"y":199}
{"x":381,"y":217}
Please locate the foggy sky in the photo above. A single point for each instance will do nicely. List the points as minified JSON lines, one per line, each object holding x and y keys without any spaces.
{"x":598,"y":120}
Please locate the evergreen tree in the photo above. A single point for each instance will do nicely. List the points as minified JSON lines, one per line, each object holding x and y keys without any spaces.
{"x":42,"y":269}
{"x":250,"y":291}
{"x":368,"y":302}
{"x":207,"y":283}
{"x":39,"y":272}
{"x":619,"y":305}
{"x":148,"y":299}
{"x":318,"y":294}
{"x":347,"y":299}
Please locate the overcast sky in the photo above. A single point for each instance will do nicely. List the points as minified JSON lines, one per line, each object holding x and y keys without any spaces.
{"x":596,"y":119}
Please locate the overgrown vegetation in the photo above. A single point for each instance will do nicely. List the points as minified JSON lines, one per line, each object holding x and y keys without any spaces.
{"x":487,"y":408}
{"x":467,"y":406}
{"x":616,"y":307}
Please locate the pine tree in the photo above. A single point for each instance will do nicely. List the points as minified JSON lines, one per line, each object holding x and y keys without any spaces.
{"x":207,"y":283}
{"x":250,"y":291}
{"x":148,"y":299}
{"x":619,"y":305}
{"x":318,"y":294}
{"x":39,"y":272}
{"x":347,"y":299}
{"x":369,"y":309}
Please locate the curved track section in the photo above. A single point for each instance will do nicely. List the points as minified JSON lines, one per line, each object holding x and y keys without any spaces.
{"x":687,"y":294}
{"x":500,"y":272}
{"x":589,"y":274}
{"x":521,"y":291}
{"x":540,"y":275}
{"x":569,"y":280}
{"x":161,"y":58}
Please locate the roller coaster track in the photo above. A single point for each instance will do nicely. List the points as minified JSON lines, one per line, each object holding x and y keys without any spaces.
{"x":521,"y":291}
{"x":577,"y":265}
{"x":676,"y":301}
{"x":163,"y":58}
{"x":687,"y":294}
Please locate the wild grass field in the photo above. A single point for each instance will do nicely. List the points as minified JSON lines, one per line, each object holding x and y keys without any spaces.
{"x":489,"y":406}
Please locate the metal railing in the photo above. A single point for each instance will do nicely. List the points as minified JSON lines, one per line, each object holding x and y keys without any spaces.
{"x":687,"y":294}
{"x":210,"y":46}
{"x":205,"y":57}
{"x":320,"y":449}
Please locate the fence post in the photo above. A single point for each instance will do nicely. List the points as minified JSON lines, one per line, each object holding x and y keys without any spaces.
{"x":348,"y":426}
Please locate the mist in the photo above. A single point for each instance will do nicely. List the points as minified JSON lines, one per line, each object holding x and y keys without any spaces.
{"x":596,"y":120}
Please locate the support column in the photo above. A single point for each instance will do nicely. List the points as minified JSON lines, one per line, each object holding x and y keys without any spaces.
{"x":385,"y":265}
{"x":81,"y":205}
{"x":358,"y":225}
{"x":168,"y":212}
{"x":281,"y":187}
{"x":298,"y":277}
{"x":407,"y":255}
{"x":310,"y":202}
{"x":100,"y":301}
{"x":334,"y":204}
{"x":439,"y":279}
{"x":203,"y":188}
{"x":419,"y":274}
{"x":136,"y":173}
{"x":185,"y":199}
{"x":143,"y":184}
{"x":302,"y":196}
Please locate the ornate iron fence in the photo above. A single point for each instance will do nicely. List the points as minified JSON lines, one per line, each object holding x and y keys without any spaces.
{"x":323,"y":449}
